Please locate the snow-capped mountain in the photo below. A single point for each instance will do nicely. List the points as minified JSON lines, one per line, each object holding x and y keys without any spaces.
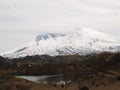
{"x":81,"y":41}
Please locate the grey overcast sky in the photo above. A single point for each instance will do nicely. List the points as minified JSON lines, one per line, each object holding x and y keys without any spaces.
{"x":22,"y":20}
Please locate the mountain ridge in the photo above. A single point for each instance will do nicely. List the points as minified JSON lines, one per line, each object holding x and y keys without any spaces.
{"x":81,"y":41}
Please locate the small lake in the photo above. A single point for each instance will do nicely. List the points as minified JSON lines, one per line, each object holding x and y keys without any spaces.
{"x":55,"y":79}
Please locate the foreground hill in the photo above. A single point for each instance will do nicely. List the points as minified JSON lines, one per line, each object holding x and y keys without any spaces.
{"x":41,"y":65}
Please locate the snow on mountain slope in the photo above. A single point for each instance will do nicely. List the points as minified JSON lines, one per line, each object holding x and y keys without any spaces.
{"x":80,"y":41}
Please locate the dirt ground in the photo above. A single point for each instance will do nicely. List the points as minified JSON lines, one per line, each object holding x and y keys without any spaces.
{"x":98,"y":82}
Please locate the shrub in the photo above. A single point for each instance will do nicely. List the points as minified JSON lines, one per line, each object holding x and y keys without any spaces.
{"x":84,"y":88}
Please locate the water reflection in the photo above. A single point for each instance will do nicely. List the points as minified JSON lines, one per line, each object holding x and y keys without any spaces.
{"x":53,"y":79}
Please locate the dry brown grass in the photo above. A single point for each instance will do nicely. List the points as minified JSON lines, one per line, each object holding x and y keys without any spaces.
{"x":97,"y":82}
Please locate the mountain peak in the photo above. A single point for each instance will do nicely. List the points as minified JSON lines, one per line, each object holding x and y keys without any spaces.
{"x":84,"y":29}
